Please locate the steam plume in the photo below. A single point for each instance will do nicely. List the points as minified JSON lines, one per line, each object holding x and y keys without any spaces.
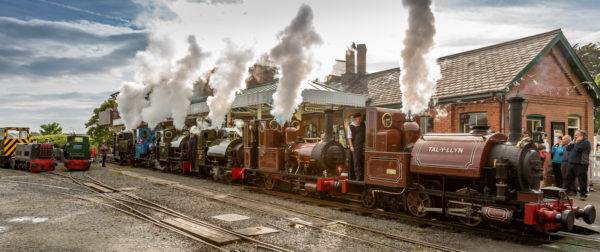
{"x":164,"y":91}
{"x":419,"y":71}
{"x":292,"y":53}
{"x":227,"y":80}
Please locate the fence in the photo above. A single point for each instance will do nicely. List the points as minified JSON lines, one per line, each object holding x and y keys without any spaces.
{"x":595,"y":167}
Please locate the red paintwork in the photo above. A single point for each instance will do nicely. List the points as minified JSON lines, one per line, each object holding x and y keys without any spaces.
{"x":329,"y":184}
{"x":238,"y":173}
{"x":543,"y":214}
{"x":186,"y":167}
{"x":39,"y":165}
{"x":77,"y":165}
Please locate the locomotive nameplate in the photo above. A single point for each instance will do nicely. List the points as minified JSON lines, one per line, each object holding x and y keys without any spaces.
{"x":391,"y":171}
{"x":454,"y":154}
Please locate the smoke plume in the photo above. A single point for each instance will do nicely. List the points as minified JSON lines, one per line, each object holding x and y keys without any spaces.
{"x":419,"y":71}
{"x":227,"y":80}
{"x":293,"y":55}
{"x":162,"y":90}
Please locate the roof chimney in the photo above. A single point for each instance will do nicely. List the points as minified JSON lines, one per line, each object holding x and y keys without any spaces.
{"x":361,"y":59}
{"x":350,"y":61}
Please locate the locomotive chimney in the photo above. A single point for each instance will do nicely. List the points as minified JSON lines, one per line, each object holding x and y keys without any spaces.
{"x":328,"y":126}
{"x":515,"y":110}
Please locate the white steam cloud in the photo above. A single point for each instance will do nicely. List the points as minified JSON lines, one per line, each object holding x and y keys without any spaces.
{"x":163,"y":89}
{"x":293,"y":55}
{"x":227,"y":80}
{"x":419,"y":70}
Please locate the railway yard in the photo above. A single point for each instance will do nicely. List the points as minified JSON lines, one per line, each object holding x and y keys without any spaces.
{"x":120,"y":208}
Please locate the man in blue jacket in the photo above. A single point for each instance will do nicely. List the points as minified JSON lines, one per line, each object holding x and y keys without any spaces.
{"x":578,"y":162}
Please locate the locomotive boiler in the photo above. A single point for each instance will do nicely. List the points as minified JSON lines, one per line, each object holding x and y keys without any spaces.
{"x":306,"y":156}
{"x":224,"y":153}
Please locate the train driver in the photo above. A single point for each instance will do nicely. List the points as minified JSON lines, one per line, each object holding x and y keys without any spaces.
{"x":356,"y":141}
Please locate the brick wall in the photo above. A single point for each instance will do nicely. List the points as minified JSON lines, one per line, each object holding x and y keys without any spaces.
{"x":550,"y":88}
{"x":451,"y":123}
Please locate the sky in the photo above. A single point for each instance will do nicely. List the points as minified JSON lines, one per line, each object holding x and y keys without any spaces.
{"x":59,"y":59}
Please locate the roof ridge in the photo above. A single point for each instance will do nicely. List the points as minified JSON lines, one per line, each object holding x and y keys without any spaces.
{"x":385,"y":70}
{"x":556,"y":32}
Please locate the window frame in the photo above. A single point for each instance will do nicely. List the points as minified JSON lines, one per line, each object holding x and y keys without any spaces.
{"x":426,"y":123}
{"x":463,"y":125}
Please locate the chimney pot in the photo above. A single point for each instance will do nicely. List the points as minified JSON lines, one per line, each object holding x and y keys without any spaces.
{"x":350,"y":62}
{"x":361,"y":58}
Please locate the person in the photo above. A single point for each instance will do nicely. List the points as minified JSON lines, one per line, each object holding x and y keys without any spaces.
{"x":565,"y":158}
{"x":356,"y":141}
{"x":579,"y":158}
{"x":547,"y":144}
{"x":557,"y":157}
{"x":93,"y":152}
{"x":525,"y":139}
{"x":544,"y":157}
{"x":104,"y":152}
{"x":46,"y":140}
{"x":193,"y":151}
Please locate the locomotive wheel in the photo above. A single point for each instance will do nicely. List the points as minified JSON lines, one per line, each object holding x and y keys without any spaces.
{"x":368,"y":199}
{"x":269,"y":182}
{"x":473,"y":218}
{"x":416,"y":202}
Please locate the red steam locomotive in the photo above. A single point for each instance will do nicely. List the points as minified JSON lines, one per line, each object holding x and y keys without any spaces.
{"x":475,"y":177}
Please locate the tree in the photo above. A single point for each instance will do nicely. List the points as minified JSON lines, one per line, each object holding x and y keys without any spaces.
{"x":52,"y":128}
{"x":99,"y":133}
{"x":590,"y":57}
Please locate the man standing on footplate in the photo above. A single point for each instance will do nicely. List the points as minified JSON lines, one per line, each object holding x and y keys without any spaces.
{"x":356,"y":141}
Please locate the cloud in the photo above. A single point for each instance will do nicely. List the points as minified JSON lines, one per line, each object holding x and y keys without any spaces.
{"x":70,"y":109}
{"x":48,"y":48}
{"x":217,"y":1}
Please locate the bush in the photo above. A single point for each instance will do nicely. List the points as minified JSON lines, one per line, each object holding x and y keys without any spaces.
{"x":58,"y":140}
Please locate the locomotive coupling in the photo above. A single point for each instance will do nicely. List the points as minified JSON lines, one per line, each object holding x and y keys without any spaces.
{"x":587,"y":214}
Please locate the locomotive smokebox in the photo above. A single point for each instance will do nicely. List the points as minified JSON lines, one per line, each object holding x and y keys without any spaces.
{"x":515,"y":110}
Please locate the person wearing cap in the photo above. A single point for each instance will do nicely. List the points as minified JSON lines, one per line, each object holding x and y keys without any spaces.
{"x":578,"y":161}
{"x":356,"y":141}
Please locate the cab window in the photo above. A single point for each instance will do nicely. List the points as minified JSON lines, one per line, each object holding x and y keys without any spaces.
{"x":12,"y":134}
{"x":78,"y":140}
{"x":23,"y":134}
{"x":1,"y":134}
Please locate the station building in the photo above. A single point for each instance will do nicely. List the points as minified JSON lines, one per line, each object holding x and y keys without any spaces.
{"x":544,"y":69}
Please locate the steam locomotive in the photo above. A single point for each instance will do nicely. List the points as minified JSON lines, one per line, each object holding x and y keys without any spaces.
{"x":474,"y":177}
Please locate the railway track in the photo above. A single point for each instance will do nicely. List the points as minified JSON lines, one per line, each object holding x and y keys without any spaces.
{"x":149,"y":211}
{"x":282,"y":211}
{"x":552,"y":240}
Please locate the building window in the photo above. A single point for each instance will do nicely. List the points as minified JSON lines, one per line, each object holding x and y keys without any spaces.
{"x":468,"y":120}
{"x":426,"y":124}
{"x":573,"y":124}
{"x":535,"y":123}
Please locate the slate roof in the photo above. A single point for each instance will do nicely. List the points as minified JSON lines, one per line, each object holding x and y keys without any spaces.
{"x":483,"y":70}
{"x":382,"y":88}
{"x":489,"y":68}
